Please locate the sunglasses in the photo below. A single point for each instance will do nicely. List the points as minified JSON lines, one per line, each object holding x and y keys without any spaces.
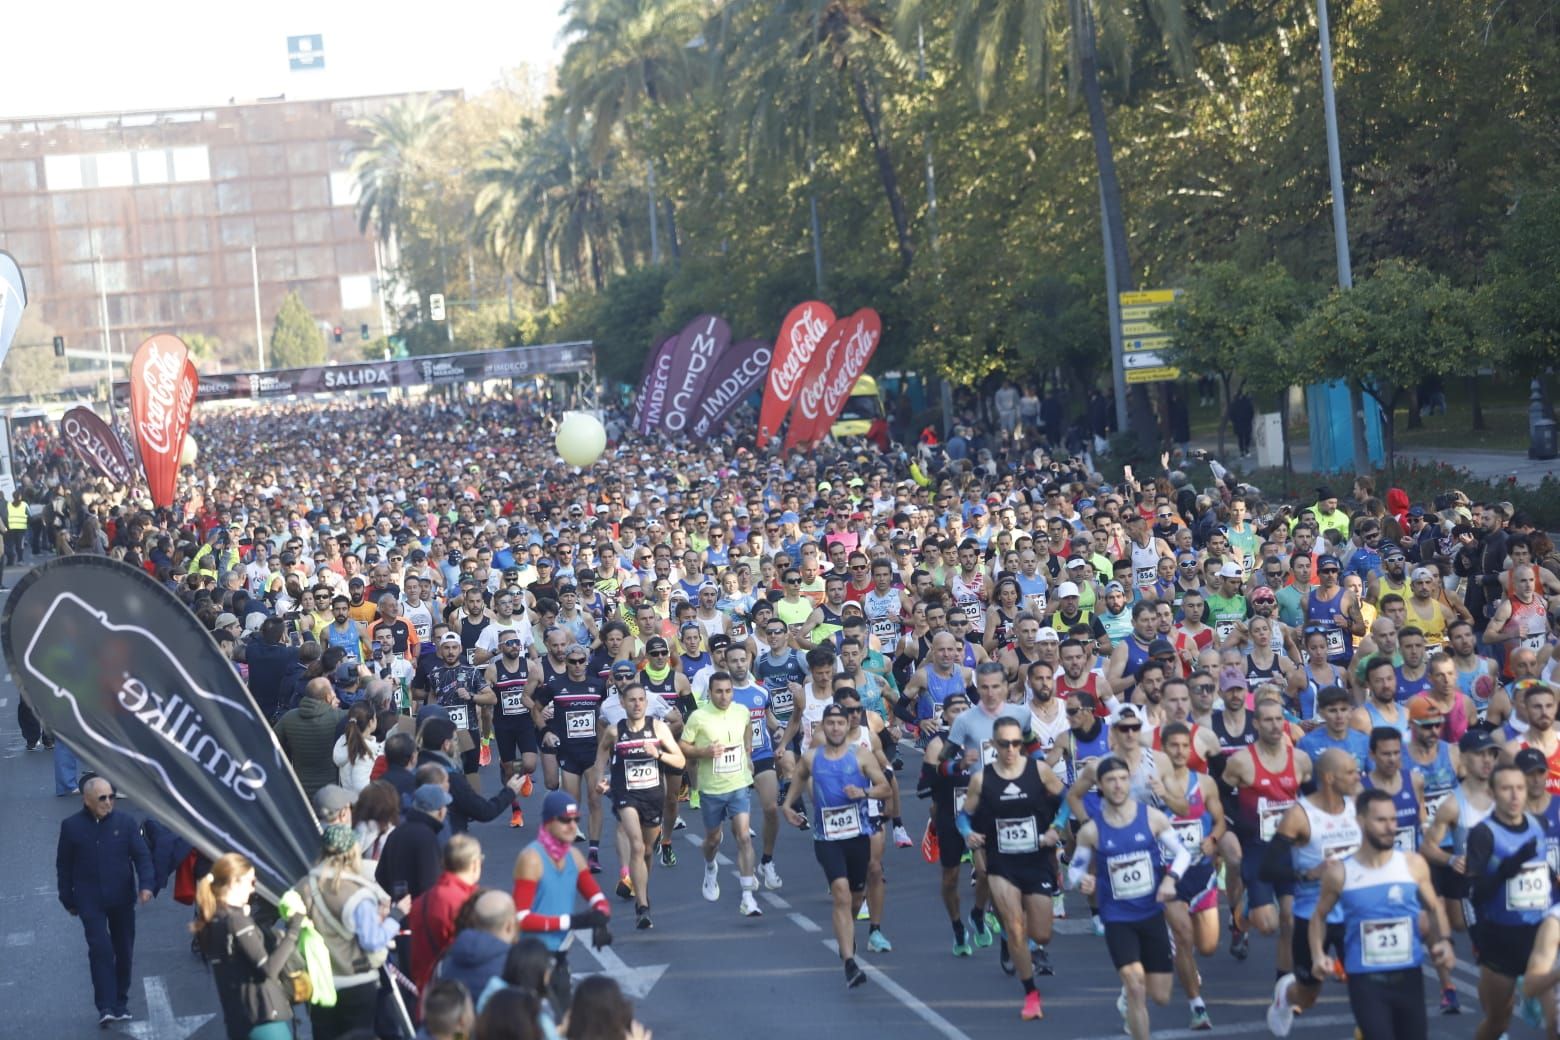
{"x":1128,"y":729}
{"x":567,"y":819}
{"x":1204,"y":687}
{"x":106,"y":797}
{"x":1007,"y":743}
{"x":777,"y":631}
{"x":1077,"y":711}
{"x":659,"y":653}
{"x":1328,"y":570}
{"x":579,"y":660}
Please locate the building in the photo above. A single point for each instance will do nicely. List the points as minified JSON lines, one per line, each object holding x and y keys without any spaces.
{"x":156,"y":214}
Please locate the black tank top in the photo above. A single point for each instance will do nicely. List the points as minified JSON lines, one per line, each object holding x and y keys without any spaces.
{"x":1013,"y":814}
{"x":509,"y":687}
{"x":1229,"y":743}
{"x":634,"y":771}
{"x":469,"y":633}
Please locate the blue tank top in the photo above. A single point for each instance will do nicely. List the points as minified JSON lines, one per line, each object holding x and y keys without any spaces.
{"x":1333,"y":836}
{"x":1378,"y":720}
{"x":1550,"y":818}
{"x":1406,"y":804}
{"x":837,"y":817}
{"x":1440,"y":779}
{"x":690,"y":664}
{"x":1407,"y":688}
{"x":1340,"y":648}
{"x":1137,"y":654}
{"x":1128,"y":871}
{"x":1523,"y":899}
{"x":1083,"y":750}
{"x":939,"y":689}
{"x":1379,"y":907}
{"x":755,"y":699}
{"x":554,"y":892}
{"x":777,"y":674}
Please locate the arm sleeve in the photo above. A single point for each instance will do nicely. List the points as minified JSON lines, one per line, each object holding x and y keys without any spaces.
{"x":1481,"y":846}
{"x":251,"y":943}
{"x":372,"y":933}
{"x":525,"y":895}
{"x":586,"y":886}
{"x":1278,"y":865}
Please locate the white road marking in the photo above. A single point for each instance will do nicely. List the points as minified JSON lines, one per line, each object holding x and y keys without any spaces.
{"x":804,"y":923}
{"x":697,"y":841}
{"x":775,"y":901}
{"x":1301,"y":1022}
{"x":160,"y":1022}
{"x":908,"y":999}
{"x":19,"y":939}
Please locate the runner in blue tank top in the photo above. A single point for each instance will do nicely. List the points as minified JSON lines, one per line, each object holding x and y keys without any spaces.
{"x":1333,"y":608}
{"x":551,"y":876}
{"x":1131,"y":842}
{"x":1378,"y":894}
{"x":1405,"y":786}
{"x":841,"y":776}
{"x":932,"y":683}
{"x":1193,"y":915}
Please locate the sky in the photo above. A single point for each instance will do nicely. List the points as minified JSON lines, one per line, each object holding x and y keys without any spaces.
{"x":95,"y":56}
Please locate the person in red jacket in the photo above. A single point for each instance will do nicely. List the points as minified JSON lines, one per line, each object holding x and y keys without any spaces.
{"x":432,"y":918}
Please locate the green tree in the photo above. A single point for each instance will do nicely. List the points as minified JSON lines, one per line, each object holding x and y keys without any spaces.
{"x":1235,"y":323}
{"x":1518,"y":302}
{"x":1393,"y":329}
{"x":202,"y":347}
{"x":393,"y":161}
{"x":296,"y":339}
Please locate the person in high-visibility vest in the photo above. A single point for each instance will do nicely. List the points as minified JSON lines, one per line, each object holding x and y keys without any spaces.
{"x":15,"y":527}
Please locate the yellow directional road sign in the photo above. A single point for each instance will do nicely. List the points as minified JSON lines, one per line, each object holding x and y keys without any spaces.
{"x":1152,"y":375}
{"x":1142,"y":338}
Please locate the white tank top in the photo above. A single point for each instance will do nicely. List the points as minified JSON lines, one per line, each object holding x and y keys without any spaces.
{"x":1145,"y":564}
{"x":883,"y":615}
{"x":812,"y":714}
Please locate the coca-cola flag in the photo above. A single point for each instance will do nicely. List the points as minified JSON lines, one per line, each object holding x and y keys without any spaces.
{"x":840,"y":360}
{"x":121,"y":671}
{"x":13,"y":300}
{"x":738,"y":372}
{"x":703,"y":340}
{"x":651,"y":403}
{"x":800,"y":334}
{"x":163,"y":384}
{"x":97,"y":444}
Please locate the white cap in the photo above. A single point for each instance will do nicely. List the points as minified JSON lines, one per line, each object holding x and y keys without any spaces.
{"x":1125,"y":712}
{"x":1067,"y":588}
{"x":1048,"y":635}
{"x":1231,"y":570}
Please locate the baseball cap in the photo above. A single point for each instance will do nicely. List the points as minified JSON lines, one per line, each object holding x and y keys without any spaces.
{"x":430,"y":798}
{"x":560,"y":805}
{"x":623,"y":668}
{"x":1328,"y":561}
{"x":656,"y":643}
{"x":1126,"y":713}
{"x":1115,"y":586}
{"x":1532,"y":760}
{"x":789,"y":517}
{"x":834,"y":711}
{"x":1161,"y":648}
{"x":1232,"y":678}
{"x":331,"y":799}
{"x":225,"y":619}
{"x":719,"y":641}
{"x":1392,"y":552}
{"x":1065,"y":589}
{"x":1476,"y":740}
{"x":1231,"y":570}
{"x":1423,"y":709}
{"x":449,"y":637}
{"x":1048,"y":635}
{"x":1422,"y":573}
{"x":346,"y":674}
{"x":1077,"y":562}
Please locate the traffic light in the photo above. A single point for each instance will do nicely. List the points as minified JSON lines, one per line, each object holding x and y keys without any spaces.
{"x":363,"y":331}
{"x":338,"y":333}
{"x":59,"y":346}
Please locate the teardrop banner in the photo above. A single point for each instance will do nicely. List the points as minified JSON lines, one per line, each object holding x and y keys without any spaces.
{"x":698,"y":345}
{"x":13,"y":300}
{"x":651,"y":403}
{"x":801,"y":332}
{"x":738,"y":372}
{"x":118,"y":668}
{"x":97,"y":444}
{"x":862,"y":333}
{"x":163,"y":384}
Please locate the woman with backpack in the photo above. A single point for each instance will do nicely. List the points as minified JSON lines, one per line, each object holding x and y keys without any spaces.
{"x":246,"y":961}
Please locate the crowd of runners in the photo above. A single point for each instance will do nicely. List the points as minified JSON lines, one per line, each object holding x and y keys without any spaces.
{"x":1206,"y":712}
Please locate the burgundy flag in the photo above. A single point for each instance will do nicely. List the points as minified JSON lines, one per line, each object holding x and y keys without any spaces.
{"x":650,"y":406}
{"x":96,"y":443}
{"x":703,"y":340}
{"x":738,"y":372}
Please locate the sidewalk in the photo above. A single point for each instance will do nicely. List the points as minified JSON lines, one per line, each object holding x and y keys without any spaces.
{"x":1487,"y":465}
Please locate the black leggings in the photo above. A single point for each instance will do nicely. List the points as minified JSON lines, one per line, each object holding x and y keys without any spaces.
{"x":352,"y":1015}
{"x":1389,"y":1005}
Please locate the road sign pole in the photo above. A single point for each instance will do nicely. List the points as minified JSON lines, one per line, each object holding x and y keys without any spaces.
{"x":1118,"y":375}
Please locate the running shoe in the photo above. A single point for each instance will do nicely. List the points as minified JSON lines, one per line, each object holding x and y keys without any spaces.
{"x":485,"y":756}
{"x":1200,"y":1020}
{"x":593,"y":860}
{"x":1042,"y":960}
{"x":1280,"y":1015}
{"x":864,"y":914}
{"x":625,"y":887}
{"x":668,"y":855}
{"x":680,"y":825}
{"x":854,"y":976}
{"x":526,"y":786}
{"x":1032,"y":1009}
{"x":1121,"y":1005}
{"x":993,"y":923}
{"x":1240,"y":944}
{"x":1449,"y":1002}
{"x":711,"y":883}
{"x":1096,"y":925}
{"x":1059,"y":907}
{"x":981,"y":933}
{"x":1005,"y":959}
{"x":123,"y":1016}
{"x":642,"y":919}
{"x":962,"y":949}
{"x":877,"y":942}
{"x":106,"y":1019}
{"x":749,"y":906}
{"x":770,"y":876}
{"x":902,"y":838}
{"x":516,"y":817}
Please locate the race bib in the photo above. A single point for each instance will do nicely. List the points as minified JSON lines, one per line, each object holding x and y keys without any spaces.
{"x":1406,"y":839}
{"x":579,"y":725}
{"x":459,"y":717}
{"x":1433,"y":803}
{"x":1269,"y":812}
{"x":729,"y":760}
{"x":1533,"y":641}
{"x":513,"y":703}
{"x":782,"y":700}
{"x":760,"y":734}
{"x":1144,"y":577}
{"x":640,"y":774}
{"x":1335,"y":642}
{"x":1131,"y":877}
{"x":1018,"y":835}
{"x":1037,"y":604}
{"x":1222,"y":628}
{"x":840,"y":822}
{"x":1388,"y":943}
{"x":471,"y":656}
{"x":988,"y":752}
{"x":1191,"y":834}
{"x":1339,"y":850}
{"x":1529,"y":890}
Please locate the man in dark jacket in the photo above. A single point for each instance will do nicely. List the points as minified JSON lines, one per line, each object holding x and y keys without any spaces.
{"x":409,"y":863}
{"x":478,"y":953}
{"x":400,"y":749}
{"x":308,"y":735}
{"x":103,"y":866}
{"x":438,"y":746}
{"x":272,"y":667}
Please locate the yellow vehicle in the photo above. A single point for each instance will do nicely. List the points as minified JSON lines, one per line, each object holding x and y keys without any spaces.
{"x":864,"y":405}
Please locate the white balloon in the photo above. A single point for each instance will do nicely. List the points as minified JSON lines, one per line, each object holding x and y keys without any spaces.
{"x":581,"y":439}
{"x":189,"y":451}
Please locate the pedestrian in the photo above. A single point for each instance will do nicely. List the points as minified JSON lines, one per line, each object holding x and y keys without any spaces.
{"x":409,"y":860}
{"x":510,"y":1014}
{"x":246,"y":961}
{"x":438,"y":747}
{"x":273,"y":667}
{"x":16,"y":527}
{"x":447,"y":1012}
{"x":478,"y":952}
{"x":399,"y":751}
{"x":358,"y":921}
{"x":308,"y":733}
{"x":357,"y":748}
{"x":529,"y":970}
{"x":434,"y":911}
{"x":1242,"y":413}
{"x":103,"y":868}
{"x":600,"y":1011}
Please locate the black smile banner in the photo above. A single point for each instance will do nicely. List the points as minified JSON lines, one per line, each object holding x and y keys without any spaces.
{"x":117,"y":667}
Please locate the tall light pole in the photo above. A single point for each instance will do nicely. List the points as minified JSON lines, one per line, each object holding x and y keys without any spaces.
{"x":254,"y":281}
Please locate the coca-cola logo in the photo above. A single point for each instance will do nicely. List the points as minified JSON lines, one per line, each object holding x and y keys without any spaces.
{"x":858,"y":350}
{"x":161,"y":376}
{"x":806,"y":334}
{"x":811,"y":395}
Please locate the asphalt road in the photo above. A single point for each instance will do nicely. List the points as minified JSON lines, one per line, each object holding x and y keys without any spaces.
{"x":704,"y":971}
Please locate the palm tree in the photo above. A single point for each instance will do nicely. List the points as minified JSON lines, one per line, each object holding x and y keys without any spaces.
{"x":628,"y":59}
{"x":785,"y":48}
{"x":393,"y":160}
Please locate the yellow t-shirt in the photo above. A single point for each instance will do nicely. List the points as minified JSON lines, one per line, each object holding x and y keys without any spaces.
{"x":732,"y":770}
